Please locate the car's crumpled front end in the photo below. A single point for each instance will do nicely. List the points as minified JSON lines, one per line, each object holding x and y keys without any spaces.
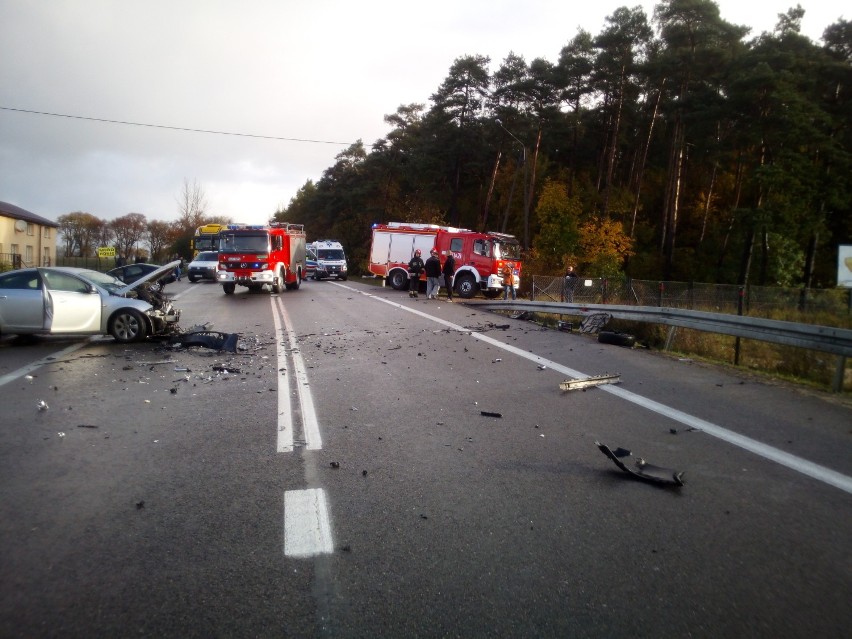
{"x":162,"y":315}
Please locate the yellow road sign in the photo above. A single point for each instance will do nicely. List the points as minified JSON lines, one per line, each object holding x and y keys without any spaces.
{"x":106,"y":251}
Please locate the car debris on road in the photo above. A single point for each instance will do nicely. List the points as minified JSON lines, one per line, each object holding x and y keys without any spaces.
{"x":643,"y":470}
{"x":593,"y":380}
{"x":208,"y":339}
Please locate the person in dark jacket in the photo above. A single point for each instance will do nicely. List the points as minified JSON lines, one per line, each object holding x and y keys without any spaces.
{"x":415,"y":267}
{"x":433,"y":275}
{"x":569,"y":284}
{"x":449,"y":270}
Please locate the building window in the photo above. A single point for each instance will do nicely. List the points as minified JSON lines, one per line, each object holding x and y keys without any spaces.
{"x":47,"y":232}
{"x":28,"y":258}
{"x":30,"y":229}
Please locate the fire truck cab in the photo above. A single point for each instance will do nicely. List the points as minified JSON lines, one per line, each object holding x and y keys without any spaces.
{"x":270,"y":255}
{"x":480,"y":257}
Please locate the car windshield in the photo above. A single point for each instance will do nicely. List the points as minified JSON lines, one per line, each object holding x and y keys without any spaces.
{"x":507,"y":250}
{"x":234,"y":243}
{"x":104,"y":280}
{"x":208,"y":256}
{"x":330,"y":254}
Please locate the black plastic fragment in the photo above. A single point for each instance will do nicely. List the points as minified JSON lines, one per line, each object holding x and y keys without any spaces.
{"x":643,"y":470}
{"x":219,"y":368}
{"x":485,"y":413}
{"x":208,"y":339}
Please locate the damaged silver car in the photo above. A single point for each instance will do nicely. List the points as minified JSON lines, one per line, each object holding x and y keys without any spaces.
{"x":76,"y":301}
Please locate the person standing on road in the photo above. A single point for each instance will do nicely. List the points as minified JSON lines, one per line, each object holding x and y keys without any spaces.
{"x":449,"y":270}
{"x":415,"y":267}
{"x":569,"y":282}
{"x":433,"y":275}
{"x":508,"y":275}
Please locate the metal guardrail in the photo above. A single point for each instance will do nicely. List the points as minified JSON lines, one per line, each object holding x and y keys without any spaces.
{"x":826,"y":339}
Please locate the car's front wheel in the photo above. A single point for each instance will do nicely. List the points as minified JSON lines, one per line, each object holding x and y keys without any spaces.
{"x":128,"y":325}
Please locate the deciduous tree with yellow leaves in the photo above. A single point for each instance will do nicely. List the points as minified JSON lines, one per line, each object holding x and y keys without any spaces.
{"x":603,"y":246}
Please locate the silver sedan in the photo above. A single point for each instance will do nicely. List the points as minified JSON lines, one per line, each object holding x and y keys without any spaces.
{"x":72,"y":301}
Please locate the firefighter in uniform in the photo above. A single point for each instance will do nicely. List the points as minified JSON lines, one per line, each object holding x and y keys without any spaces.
{"x":415,"y":267}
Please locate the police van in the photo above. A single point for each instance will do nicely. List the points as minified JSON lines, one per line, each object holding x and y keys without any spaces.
{"x":330,"y":259}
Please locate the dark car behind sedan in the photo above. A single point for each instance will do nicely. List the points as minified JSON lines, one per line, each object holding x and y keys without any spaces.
{"x":129,"y":273}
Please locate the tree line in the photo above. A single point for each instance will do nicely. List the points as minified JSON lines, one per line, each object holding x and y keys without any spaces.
{"x":670,"y":147}
{"x":133,"y":235}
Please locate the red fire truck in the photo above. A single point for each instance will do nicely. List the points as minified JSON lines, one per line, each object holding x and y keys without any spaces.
{"x":479,"y":256}
{"x":256,"y":256}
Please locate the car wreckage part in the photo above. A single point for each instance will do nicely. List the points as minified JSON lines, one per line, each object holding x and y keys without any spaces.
{"x":208,"y":339}
{"x":591,"y":324}
{"x":618,"y":339}
{"x":643,"y":470}
{"x":586,"y":382}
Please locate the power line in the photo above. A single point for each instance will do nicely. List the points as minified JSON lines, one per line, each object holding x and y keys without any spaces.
{"x":171,"y":128}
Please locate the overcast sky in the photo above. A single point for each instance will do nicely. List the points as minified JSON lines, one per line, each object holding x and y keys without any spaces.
{"x":322,"y":71}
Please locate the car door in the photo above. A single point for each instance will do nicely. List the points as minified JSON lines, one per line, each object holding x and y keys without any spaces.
{"x":21,"y":302}
{"x":71,"y":304}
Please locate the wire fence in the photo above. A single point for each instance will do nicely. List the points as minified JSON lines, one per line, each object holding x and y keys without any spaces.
{"x":760,"y":301}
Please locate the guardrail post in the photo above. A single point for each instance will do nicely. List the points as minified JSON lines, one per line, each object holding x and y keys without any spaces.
{"x":604,"y":290}
{"x":839,"y":374}
{"x":660,"y":294}
{"x":740,"y":295}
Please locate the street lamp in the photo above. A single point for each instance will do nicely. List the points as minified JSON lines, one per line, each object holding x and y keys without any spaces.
{"x":526,"y":186}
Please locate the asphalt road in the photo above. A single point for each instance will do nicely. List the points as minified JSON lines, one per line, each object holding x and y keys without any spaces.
{"x":336,"y":478}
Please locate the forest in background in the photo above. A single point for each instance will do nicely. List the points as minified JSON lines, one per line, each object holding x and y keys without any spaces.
{"x":667,"y":147}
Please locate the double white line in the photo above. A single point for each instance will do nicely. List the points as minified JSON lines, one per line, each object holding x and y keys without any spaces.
{"x":307,"y":525}
{"x":310,"y":426}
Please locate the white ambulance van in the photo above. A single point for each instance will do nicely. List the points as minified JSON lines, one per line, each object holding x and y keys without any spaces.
{"x":331,"y":259}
